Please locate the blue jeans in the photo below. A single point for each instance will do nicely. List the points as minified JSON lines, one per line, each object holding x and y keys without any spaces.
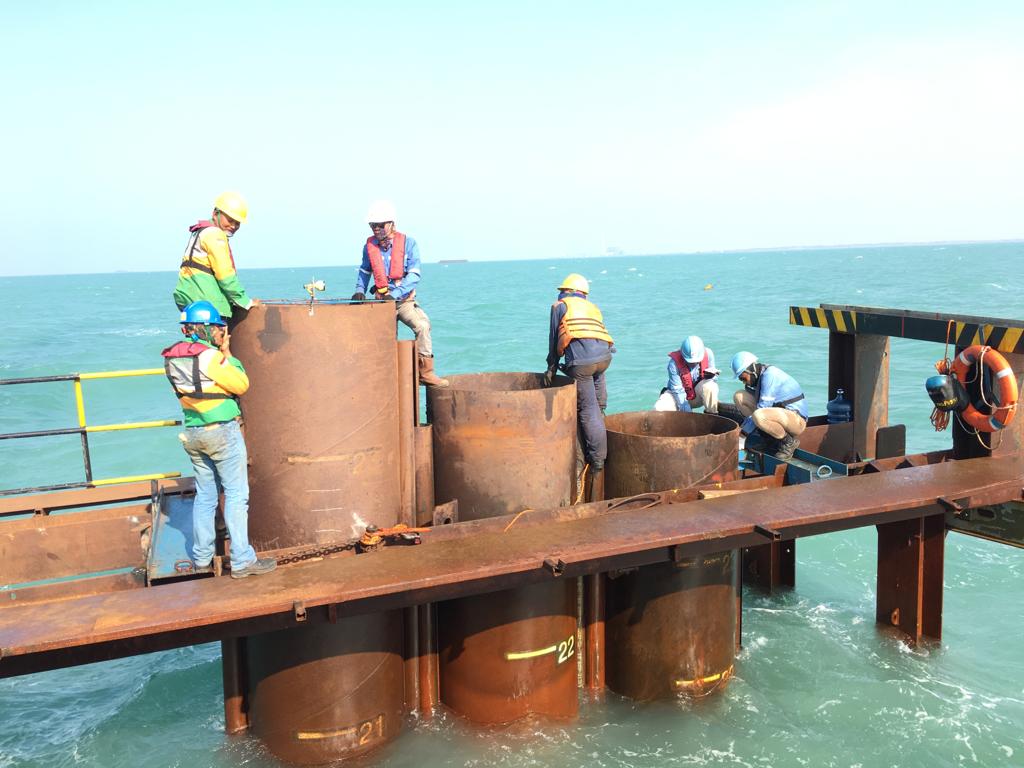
{"x":591,"y":401}
{"x":220,"y":462}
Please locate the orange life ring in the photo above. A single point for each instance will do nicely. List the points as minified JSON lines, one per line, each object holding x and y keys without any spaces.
{"x":1005,"y":385}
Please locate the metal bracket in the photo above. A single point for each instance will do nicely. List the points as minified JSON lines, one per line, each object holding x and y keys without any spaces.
{"x":447,"y":513}
{"x":555,"y":565}
{"x":768,"y":533}
{"x":299,"y":608}
{"x":954,"y":506}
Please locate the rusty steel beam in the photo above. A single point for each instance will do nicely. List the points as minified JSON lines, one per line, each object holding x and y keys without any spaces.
{"x":594,"y":631}
{"x":49,"y":635}
{"x":45,"y":503}
{"x":411,"y":658}
{"x":430,"y":691}
{"x":233,"y":670}
{"x":909,"y":586}
{"x":407,"y":418}
{"x":52,"y":547}
{"x":424,"y":442}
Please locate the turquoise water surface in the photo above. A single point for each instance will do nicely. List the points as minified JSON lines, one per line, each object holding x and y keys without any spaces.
{"x":816,"y":683}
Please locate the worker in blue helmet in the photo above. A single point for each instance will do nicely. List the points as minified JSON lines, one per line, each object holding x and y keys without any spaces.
{"x":773,"y":405}
{"x":208,"y":381}
{"x":692,"y":378}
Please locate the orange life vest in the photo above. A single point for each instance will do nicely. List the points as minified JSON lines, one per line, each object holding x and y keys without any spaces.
{"x":582,"y":320}
{"x":397,"y":270}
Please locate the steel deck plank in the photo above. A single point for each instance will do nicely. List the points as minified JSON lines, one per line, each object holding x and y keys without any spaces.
{"x":481,"y":563}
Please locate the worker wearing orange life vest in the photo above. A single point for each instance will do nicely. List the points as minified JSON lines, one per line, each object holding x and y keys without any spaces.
{"x":392,"y":260}
{"x":577,"y":332}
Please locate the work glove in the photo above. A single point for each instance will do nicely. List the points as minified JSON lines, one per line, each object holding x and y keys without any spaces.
{"x":549,"y":375}
{"x":358,"y":296}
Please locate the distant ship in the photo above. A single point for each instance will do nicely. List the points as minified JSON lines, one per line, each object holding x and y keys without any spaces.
{"x":452,"y":261}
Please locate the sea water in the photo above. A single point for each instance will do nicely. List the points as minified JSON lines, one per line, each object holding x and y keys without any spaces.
{"x":816,"y":684}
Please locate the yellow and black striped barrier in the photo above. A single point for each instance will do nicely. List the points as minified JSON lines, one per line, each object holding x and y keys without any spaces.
{"x":1006,"y":336}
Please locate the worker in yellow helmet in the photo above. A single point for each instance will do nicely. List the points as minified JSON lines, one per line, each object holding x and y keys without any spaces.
{"x":577,"y":331}
{"x":207,"y":270}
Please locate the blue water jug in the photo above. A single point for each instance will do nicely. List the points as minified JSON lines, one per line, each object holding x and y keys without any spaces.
{"x":840,"y":409}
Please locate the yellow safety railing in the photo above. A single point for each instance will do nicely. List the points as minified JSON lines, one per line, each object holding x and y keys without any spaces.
{"x":84,"y":430}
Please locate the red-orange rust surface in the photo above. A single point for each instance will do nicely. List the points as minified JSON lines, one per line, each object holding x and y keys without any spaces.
{"x":321,"y":466}
{"x":671,"y":627}
{"x":326,"y":691}
{"x":659,"y":450}
{"x":502,"y":442}
{"x":510,"y":654}
{"x":209,"y":609}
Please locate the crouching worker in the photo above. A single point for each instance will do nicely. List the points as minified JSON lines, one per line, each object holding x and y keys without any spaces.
{"x":208,"y":382}
{"x":693,"y":376}
{"x":773,"y":404}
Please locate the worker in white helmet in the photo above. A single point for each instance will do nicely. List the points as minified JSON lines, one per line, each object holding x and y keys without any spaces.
{"x":773,"y":405}
{"x":392,"y":260}
{"x":693,"y":376}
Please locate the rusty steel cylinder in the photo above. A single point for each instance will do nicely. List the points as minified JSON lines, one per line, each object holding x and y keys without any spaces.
{"x":321,"y":421}
{"x":670,"y":629}
{"x":661,"y":450}
{"x":502,"y":443}
{"x":322,"y":431}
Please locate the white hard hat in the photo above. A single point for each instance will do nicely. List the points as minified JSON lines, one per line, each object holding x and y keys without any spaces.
{"x":380,"y":211}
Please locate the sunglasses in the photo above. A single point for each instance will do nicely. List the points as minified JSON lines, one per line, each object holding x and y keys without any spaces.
{"x":379,"y":224}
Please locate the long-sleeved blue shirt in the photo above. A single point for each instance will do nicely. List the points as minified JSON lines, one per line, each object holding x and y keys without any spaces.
{"x":675,"y":381}
{"x":408,"y":282}
{"x":775,"y":386}
{"x":579,"y":351}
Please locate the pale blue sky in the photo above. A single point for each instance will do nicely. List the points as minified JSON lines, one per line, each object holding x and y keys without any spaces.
{"x":501,"y":131}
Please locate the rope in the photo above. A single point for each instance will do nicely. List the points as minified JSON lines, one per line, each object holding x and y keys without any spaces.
{"x":520,"y":514}
{"x":940,"y":419}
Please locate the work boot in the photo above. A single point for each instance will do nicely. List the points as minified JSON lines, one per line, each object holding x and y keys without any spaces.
{"x":427,"y":376}
{"x":255,"y":568}
{"x":757,"y":441}
{"x":785,"y":447}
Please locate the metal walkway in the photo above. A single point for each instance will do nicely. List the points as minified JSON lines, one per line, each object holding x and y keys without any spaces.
{"x":59,"y":633}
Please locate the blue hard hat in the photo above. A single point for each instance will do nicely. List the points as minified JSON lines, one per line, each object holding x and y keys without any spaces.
{"x":201,"y":313}
{"x":692,"y":349}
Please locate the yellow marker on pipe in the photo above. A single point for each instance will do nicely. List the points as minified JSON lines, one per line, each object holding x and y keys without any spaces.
{"x":518,"y":655}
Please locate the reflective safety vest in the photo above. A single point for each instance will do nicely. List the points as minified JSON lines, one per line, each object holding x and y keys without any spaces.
{"x":397,"y":270}
{"x":689,"y":386}
{"x":582,"y":320}
{"x":181,"y":364}
{"x":194,"y":249}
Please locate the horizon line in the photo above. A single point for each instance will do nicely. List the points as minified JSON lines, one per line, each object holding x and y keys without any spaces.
{"x":763,"y":249}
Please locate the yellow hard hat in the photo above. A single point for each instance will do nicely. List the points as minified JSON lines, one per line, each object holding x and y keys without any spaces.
{"x":234,"y":205}
{"x":575,"y":282}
